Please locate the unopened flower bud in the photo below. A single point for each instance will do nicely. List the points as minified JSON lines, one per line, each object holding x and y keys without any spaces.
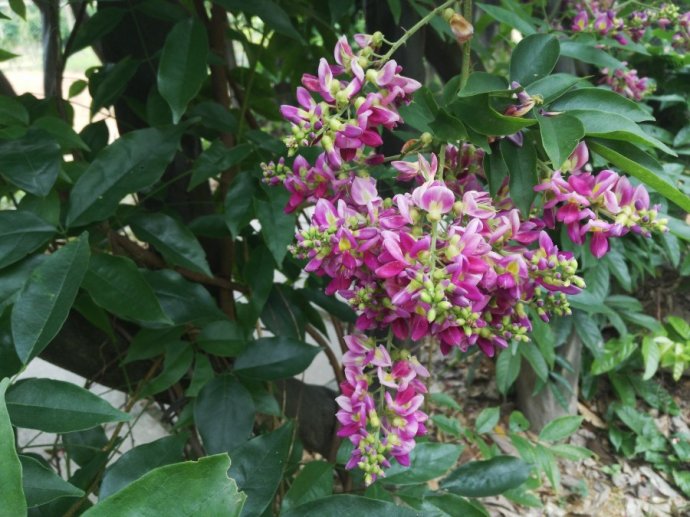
{"x":462,"y":29}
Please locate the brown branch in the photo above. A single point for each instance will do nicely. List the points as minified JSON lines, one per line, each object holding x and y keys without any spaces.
{"x":332,"y":359}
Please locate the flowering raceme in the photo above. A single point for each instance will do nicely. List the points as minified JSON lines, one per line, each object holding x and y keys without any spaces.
{"x":441,"y":260}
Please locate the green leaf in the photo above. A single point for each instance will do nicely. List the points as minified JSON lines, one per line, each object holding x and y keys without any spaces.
{"x":258,"y":467}
{"x":522,"y":169}
{"x":427,"y":461}
{"x":477,"y":113}
{"x":42,"y":485}
{"x":185,"y":489}
{"x":496,"y":170}
{"x":224,"y":414}
{"x":560,"y":428}
{"x":351,"y":505}
{"x":559,"y":136}
{"x":536,"y":360}
{"x":238,"y":203}
{"x":172,"y":239}
{"x":508,"y":18}
{"x":222,"y":338}
{"x":329,"y":304}
{"x":274,"y":358}
{"x":483,"y":82}
{"x":547,"y":462}
{"x":58,"y":407}
{"x":32,"y":162}
{"x":517,"y":422}
{"x":270,"y":12}
{"x":217,"y":159}
{"x":599,"y":99}
{"x":447,"y":128}
{"x":616,"y":127}
{"x":396,"y":10}
{"x":13,"y":112}
{"x":118,"y":286}
{"x":487,"y":478}
{"x":487,"y":420}
{"x":182,"y":301}
{"x":136,"y":462}
{"x":571,"y":452}
{"x":62,"y":132}
{"x":507,"y":369}
{"x":553,"y":86}
{"x":642,"y":173}
{"x":453,"y":504}
{"x":315,"y":481}
{"x":20,"y":234}
{"x":11,"y":491}
{"x":44,"y":303}
{"x":177,"y":362}
{"x":102,"y":22}
{"x":533,"y":58}
{"x":110,"y":81}
{"x":182,"y":67}
{"x":619,"y":268}
{"x":282,"y":313}
{"x":444,"y":400}
{"x":277,"y":227}
{"x":681,"y":326}
{"x":132,"y":163}
{"x":589,"y":54}
{"x":84,"y":446}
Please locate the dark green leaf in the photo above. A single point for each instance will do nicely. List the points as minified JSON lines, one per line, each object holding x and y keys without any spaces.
{"x":642,"y":173}
{"x":483,"y":82}
{"x":258,"y":467}
{"x":98,"y":25}
{"x":44,"y":302}
{"x":315,"y":481}
{"x":522,"y":169}
{"x":83,"y":446}
{"x":560,"y":428}
{"x":553,"y":86}
{"x":132,"y":163}
{"x":447,"y":128}
{"x":32,"y":162}
{"x":148,"y":343}
{"x":277,"y":227}
{"x":507,"y":369}
{"x":118,"y":286}
{"x":589,"y":54}
{"x":136,"y":462}
{"x":20,"y":234}
{"x":42,"y":485}
{"x":271,"y":13}
{"x":217,"y":159}
{"x":13,"y":112}
{"x":222,"y":338}
{"x":274,"y":358}
{"x":110,"y":82}
{"x":476,"y":113}
{"x":351,"y":505}
{"x":444,"y":400}
{"x":58,"y":407}
{"x":487,"y":478}
{"x":453,"y":504}
{"x":62,"y":132}
{"x":224,"y":414}
{"x":533,"y":58}
{"x":239,"y":202}
{"x":178,"y":360}
{"x":508,"y":18}
{"x":536,"y":360}
{"x":559,"y":136}
{"x":11,"y":492}
{"x":172,"y":239}
{"x":282,"y":313}
{"x":186,"y":489}
{"x":182,"y":67}
{"x":428,"y":461}
{"x":601,"y":100}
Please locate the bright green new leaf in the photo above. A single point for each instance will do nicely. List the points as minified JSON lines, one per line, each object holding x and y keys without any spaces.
{"x":182,"y":67}
{"x":187,"y":489}
{"x":533,"y":58}
{"x":178,"y":245}
{"x":11,"y":491}
{"x":560,"y":428}
{"x":44,"y":302}
{"x":58,"y":407}
{"x":118,"y":286}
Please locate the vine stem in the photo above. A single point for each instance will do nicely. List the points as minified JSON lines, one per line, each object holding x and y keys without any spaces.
{"x":466,"y":47}
{"x":421,"y":23}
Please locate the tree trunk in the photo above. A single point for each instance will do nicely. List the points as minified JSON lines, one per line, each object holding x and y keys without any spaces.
{"x":542,"y":407}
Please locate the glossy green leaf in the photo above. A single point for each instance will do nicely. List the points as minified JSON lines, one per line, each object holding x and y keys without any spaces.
{"x":42,"y":485}
{"x":601,"y":100}
{"x":642,"y":173}
{"x":483,"y":82}
{"x":507,"y":369}
{"x":31,"y":162}
{"x":553,"y":86}
{"x":274,"y":358}
{"x":239,"y":203}
{"x":427,"y":461}
{"x":277,"y":227}
{"x":118,"y":286}
{"x":11,"y":491}
{"x":178,"y":245}
{"x":110,"y":81}
{"x":203,"y":373}
{"x":182,"y":301}
{"x":453,"y":504}
{"x":487,"y":478}
{"x":258,"y":467}
{"x":315,"y":481}
{"x":589,"y":54}
{"x":176,"y":363}
{"x":559,"y":136}
{"x":222,"y":338}
{"x":508,"y":18}
{"x":447,"y":128}
{"x":282,"y":313}
{"x":134,"y":162}
{"x":477,"y":114}
{"x":560,"y":428}
{"x":350,"y":505}
{"x":148,"y":343}
{"x":616,"y":127}
{"x":62,"y":132}
{"x":13,"y":112}
{"x":270,"y":12}
{"x":136,"y":462}
{"x":58,"y":407}
{"x":187,"y":489}
{"x":83,"y":446}
{"x":44,"y":303}
{"x":329,"y":304}
{"x":217,"y":159}
{"x":522,"y":170}
{"x":224,"y":414}
{"x":20,"y":234}
{"x":182,"y":67}
{"x":533,"y":58}
{"x":102,"y":22}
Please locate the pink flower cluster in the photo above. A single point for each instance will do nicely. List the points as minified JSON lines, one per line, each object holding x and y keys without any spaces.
{"x":601,"y":205}
{"x":626,"y":82}
{"x":390,"y":430}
